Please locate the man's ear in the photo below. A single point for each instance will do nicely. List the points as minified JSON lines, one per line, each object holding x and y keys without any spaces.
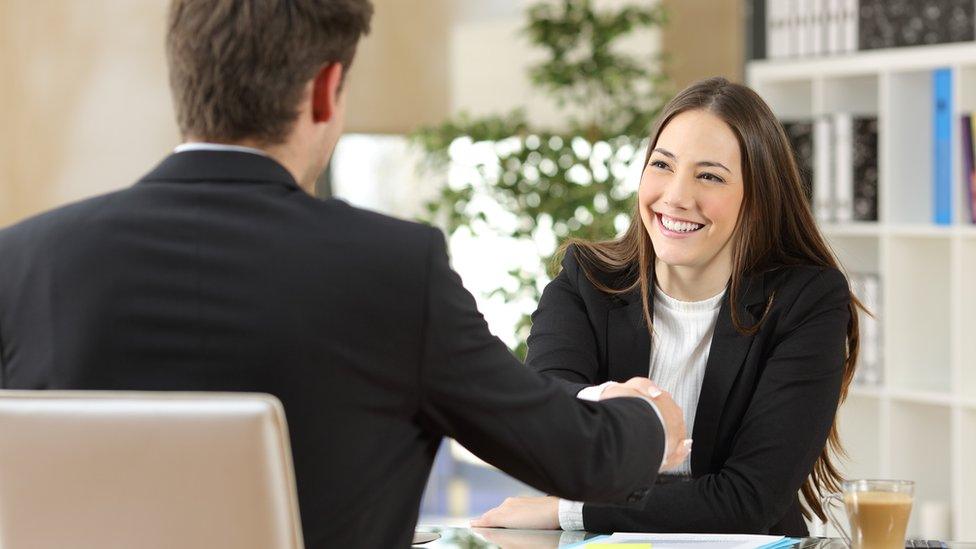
{"x":325,"y":92}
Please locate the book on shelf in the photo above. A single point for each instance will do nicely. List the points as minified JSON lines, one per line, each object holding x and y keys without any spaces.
{"x":967,"y":152}
{"x":823,"y":179}
{"x":843,"y":207}
{"x":755,"y":21}
{"x":838,"y":159}
{"x":867,"y":288}
{"x":942,"y":146}
{"x":810,"y":28}
{"x":837,"y":17}
{"x":805,"y":28}
{"x":778,"y":22}
{"x":865,"y":169}
{"x":800,"y":135}
{"x":901,"y":23}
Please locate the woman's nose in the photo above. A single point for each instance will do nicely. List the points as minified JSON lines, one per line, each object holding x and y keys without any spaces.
{"x":680,"y":191}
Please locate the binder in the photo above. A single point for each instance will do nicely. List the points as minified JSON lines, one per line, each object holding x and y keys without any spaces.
{"x":865,"y":168}
{"x":823,"y":184}
{"x":967,"y":176}
{"x":850,"y":25}
{"x":844,"y":164}
{"x":835,"y":17}
{"x":972,"y":177}
{"x":942,"y":146}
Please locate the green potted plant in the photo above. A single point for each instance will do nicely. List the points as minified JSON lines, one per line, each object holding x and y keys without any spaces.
{"x":554,"y":182}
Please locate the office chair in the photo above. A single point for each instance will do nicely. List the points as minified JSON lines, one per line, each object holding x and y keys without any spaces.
{"x":149,"y":470}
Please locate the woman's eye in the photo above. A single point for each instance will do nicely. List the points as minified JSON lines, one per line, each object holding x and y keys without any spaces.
{"x":711,"y":177}
{"x":659,"y":164}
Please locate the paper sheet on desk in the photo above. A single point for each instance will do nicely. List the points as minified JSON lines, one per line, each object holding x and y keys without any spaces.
{"x":691,"y":541}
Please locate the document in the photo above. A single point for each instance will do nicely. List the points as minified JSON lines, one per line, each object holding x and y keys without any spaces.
{"x":687,"y":541}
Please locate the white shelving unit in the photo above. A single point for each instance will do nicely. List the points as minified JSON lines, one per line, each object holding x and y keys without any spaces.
{"x":920,"y":422}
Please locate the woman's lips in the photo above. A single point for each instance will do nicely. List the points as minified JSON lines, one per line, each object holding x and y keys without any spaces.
{"x":673,"y":234}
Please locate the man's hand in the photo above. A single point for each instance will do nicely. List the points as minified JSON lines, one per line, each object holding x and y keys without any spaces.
{"x":678,"y":446}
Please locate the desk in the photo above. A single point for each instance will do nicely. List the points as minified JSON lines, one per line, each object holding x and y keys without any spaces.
{"x":459,"y":537}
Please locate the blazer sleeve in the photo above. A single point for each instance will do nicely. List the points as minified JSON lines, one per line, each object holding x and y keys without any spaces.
{"x":781,"y":435}
{"x":562,"y":343}
{"x":475,"y":391}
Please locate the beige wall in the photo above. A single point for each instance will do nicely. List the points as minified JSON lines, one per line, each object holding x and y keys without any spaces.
{"x":704,"y":38}
{"x":87,"y":106}
{"x":400,"y":77}
{"x":490,"y":61}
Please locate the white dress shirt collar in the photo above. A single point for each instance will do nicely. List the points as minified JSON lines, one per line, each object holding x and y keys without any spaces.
{"x":217,"y":147}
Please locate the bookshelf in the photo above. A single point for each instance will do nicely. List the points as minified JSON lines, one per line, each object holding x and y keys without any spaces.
{"x":919,"y":421}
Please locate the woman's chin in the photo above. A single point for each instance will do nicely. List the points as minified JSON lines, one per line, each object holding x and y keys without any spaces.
{"x":672,"y":258}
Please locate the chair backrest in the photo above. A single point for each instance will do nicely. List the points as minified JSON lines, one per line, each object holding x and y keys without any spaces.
{"x":150,"y":470}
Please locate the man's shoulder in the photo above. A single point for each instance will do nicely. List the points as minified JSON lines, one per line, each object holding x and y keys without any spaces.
{"x":53,"y":223}
{"x":377,"y":227}
{"x":372,"y":218}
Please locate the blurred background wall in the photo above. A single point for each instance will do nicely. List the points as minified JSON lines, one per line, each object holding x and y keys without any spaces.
{"x":85,"y":105}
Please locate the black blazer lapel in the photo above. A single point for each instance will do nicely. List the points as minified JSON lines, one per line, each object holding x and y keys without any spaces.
{"x":725,"y":358}
{"x":628,"y":343}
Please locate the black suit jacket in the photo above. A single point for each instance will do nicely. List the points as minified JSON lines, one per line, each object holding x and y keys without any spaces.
{"x":216,"y":272}
{"x":766,"y":405}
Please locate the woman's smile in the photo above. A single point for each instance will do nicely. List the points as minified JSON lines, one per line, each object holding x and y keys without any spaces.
{"x":673,"y":227}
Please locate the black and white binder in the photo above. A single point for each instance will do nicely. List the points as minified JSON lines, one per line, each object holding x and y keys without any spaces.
{"x":835,"y":17}
{"x":823,"y":169}
{"x":901,"y":23}
{"x":865,"y":168}
{"x":800,"y":135}
{"x":843,"y":167}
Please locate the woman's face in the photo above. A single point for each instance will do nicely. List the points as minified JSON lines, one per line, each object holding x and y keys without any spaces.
{"x":691,"y":191}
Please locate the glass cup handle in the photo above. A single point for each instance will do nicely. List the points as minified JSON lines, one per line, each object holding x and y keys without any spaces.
{"x":832,"y":519}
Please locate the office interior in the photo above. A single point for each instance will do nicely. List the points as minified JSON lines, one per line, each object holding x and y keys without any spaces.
{"x":85,"y":109}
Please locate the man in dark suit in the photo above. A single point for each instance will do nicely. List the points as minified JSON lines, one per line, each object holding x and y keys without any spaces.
{"x":218,"y":271}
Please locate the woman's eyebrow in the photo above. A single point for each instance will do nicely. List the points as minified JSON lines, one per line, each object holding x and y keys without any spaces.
{"x":705,"y":163}
{"x":713,"y":164}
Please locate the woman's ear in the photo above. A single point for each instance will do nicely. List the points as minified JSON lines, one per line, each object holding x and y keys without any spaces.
{"x":325,"y":92}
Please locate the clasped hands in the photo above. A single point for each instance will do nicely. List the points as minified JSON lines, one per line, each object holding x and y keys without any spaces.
{"x":542,"y":513}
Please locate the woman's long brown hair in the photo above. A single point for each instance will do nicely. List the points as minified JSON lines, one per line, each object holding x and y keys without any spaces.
{"x":775,"y":228}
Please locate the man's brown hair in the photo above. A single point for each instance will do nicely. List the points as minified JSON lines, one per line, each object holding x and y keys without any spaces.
{"x":238,"y":68}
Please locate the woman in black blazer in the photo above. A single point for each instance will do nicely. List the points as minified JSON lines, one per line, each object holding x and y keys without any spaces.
{"x":721,"y":210}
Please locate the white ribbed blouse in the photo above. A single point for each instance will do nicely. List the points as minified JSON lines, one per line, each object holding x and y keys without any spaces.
{"x":682,"y":338}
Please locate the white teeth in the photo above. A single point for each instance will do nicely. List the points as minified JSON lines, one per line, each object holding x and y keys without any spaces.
{"x":679,"y":226}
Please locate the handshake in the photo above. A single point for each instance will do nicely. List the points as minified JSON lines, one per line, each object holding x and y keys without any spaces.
{"x":678,"y":445}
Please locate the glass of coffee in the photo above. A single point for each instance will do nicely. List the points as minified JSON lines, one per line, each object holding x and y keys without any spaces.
{"x":877,"y":511}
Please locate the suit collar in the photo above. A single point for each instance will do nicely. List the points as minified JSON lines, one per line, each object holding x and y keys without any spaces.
{"x":726,"y":356}
{"x":196,"y":166}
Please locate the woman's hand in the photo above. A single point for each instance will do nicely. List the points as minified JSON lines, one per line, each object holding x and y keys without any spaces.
{"x":536,"y":513}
